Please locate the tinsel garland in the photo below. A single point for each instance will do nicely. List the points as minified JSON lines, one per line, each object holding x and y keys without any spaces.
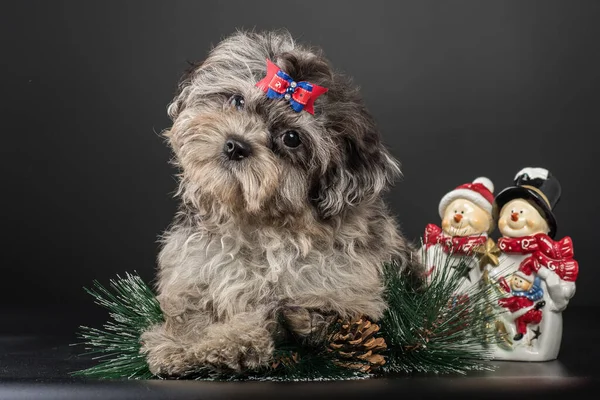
{"x":427,"y":328}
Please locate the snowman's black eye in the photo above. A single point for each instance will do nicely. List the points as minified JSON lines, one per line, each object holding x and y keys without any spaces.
{"x":521,"y":211}
{"x":462,"y":212}
{"x":455,"y":212}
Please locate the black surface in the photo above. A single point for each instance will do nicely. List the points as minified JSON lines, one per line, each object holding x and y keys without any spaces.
{"x":38,"y":365}
{"x":459,"y":89}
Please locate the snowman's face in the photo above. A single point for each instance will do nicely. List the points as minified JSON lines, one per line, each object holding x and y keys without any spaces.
{"x":519,"y":218}
{"x":518,"y":283}
{"x":465,"y":218}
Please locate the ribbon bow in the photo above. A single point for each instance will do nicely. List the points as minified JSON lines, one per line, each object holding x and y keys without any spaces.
{"x":567,"y":269}
{"x":562,"y":248}
{"x":301,"y":95}
{"x":557,"y":256}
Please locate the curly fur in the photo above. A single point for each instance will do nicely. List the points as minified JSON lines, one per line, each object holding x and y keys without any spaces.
{"x":301,"y":232}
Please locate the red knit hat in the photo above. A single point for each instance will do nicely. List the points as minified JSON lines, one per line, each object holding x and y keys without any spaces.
{"x":480,"y":192}
{"x":525,"y":274}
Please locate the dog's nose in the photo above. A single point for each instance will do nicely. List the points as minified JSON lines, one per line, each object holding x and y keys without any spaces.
{"x":236,"y":149}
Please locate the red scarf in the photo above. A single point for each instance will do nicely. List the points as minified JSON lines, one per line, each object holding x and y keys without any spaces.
{"x":523,"y":245}
{"x":557,"y":256}
{"x":451,"y":244}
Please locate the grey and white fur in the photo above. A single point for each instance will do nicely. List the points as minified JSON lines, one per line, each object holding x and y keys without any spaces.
{"x":281,"y":225}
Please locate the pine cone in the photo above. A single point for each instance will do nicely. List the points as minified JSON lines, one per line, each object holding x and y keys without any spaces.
{"x":356,"y":346}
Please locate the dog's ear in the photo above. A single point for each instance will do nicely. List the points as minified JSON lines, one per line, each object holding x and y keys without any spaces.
{"x":361,"y":167}
{"x":178,"y":104}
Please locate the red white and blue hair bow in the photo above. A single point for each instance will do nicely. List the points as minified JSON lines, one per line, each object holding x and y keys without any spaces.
{"x":301,"y":95}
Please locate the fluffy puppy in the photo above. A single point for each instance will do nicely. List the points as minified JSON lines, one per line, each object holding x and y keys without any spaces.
{"x":281,"y":211}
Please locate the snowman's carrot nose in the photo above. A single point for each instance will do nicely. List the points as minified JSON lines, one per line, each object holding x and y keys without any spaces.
{"x":457,"y":217}
{"x":514,"y":216}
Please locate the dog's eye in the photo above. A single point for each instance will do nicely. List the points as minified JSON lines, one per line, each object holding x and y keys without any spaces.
{"x":291,"y":139}
{"x":237,"y":101}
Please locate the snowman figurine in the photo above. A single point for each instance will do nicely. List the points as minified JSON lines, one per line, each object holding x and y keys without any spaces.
{"x":466,"y":214}
{"x":536,"y":275}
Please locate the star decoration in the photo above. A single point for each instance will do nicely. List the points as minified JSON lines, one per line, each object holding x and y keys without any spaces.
{"x":537,"y":333}
{"x":463,"y":269}
{"x":487,"y":253}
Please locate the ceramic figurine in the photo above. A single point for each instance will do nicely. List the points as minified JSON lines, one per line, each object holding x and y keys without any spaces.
{"x":466,"y":214}
{"x":535,"y":278}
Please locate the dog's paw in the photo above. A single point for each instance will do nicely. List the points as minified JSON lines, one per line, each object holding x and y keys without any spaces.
{"x":166,"y":357}
{"x":238,"y":354}
{"x":308,"y":325}
{"x":238,"y":345}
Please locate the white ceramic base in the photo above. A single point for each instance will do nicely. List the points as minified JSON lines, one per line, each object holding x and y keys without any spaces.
{"x":546,"y":346}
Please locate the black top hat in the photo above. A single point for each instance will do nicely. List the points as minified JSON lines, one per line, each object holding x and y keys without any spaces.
{"x":539,"y":187}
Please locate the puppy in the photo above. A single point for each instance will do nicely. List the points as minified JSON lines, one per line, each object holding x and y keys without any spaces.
{"x":281,"y":225}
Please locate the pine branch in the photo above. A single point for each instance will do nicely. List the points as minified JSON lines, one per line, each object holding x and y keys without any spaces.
{"x":132,"y":307}
{"x":432,"y":329}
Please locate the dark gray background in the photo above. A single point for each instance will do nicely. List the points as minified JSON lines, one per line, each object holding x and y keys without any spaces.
{"x":460,"y":89}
